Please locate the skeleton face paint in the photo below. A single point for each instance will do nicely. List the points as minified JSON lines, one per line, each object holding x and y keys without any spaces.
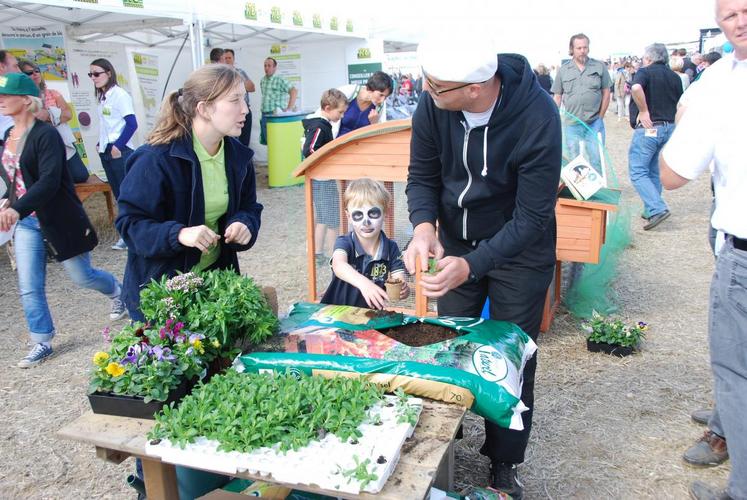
{"x":366,"y":220}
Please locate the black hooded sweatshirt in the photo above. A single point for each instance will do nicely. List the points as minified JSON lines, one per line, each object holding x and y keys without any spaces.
{"x":318,"y":132}
{"x":494,"y":186}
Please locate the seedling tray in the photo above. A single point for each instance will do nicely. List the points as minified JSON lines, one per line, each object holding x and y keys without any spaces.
{"x":325,"y":463}
{"x":135,"y":406}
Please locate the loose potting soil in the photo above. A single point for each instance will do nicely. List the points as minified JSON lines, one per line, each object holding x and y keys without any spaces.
{"x":470,"y":361}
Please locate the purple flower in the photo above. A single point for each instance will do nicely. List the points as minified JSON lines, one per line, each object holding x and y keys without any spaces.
{"x":181,"y":338}
{"x":106,"y":334}
{"x":162,"y":353}
{"x":133,"y":353}
{"x":195,"y":336}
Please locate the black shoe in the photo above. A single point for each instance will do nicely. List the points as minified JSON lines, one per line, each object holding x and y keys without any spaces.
{"x":503,"y":477}
{"x":657,"y":219}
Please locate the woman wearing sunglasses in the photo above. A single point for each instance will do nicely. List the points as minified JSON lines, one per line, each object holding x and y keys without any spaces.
{"x":117,"y":124}
{"x":49,"y":219}
{"x":57,"y":111}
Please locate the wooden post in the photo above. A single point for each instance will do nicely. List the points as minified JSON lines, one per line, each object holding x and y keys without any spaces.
{"x":160,"y":480}
{"x":310,"y":261}
{"x":421,"y":301}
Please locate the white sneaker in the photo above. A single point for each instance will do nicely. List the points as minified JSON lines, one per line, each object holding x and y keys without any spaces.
{"x":119,"y":245}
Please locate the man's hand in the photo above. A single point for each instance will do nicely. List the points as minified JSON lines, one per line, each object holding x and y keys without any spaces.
{"x":452,"y":272}
{"x":375,"y":297}
{"x":373,"y":116}
{"x":645,"y":119}
{"x":237,"y":232}
{"x":8,"y":217}
{"x":424,"y":244}
{"x":199,"y":237}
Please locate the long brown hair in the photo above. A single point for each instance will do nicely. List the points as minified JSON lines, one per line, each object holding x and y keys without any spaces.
{"x":178,"y":110}
{"x":106,"y":66}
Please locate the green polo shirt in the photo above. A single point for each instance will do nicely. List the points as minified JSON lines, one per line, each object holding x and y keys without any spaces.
{"x":215,"y":187}
{"x":582,"y":90}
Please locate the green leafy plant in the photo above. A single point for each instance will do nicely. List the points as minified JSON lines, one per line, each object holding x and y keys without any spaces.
{"x":405,"y":411}
{"x":246,"y":411}
{"x":148,"y":361}
{"x":614,"y":331}
{"x":222,"y":305}
{"x":360,"y":472}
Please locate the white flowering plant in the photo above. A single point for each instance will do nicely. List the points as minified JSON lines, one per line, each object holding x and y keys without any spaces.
{"x":614,"y":331}
{"x":224,"y":306}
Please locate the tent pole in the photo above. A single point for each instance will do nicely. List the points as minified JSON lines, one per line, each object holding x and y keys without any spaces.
{"x":196,"y":41}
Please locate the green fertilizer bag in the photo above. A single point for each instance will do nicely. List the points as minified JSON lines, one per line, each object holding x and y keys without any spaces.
{"x":470,"y":361}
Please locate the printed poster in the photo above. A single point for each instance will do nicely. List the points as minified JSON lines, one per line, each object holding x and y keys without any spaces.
{"x":45,"y":47}
{"x":289,"y":66}
{"x":146,"y":68}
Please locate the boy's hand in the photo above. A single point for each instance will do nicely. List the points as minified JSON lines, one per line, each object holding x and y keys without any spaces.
{"x":373,"y":116}
{"x":404,"y":291}
{"x":375,"y":297}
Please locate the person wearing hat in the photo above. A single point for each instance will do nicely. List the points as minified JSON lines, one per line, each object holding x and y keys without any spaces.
{"x":485,"y":159}
{"x":41,"y":205}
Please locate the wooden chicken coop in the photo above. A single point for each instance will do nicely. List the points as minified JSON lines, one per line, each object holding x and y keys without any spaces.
{"x":382,"y":152}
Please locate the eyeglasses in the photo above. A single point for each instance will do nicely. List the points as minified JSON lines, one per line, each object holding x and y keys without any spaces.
{"x":31,"y":71}
{"x":95,"y":74}
{"x":373,"y":213}
{"x":434,"y":87}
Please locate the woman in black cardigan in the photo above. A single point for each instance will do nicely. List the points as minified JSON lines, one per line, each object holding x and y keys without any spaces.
{"x":41,"y":206}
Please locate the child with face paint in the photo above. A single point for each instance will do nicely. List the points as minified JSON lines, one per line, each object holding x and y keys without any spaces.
{"x":364,"y":258}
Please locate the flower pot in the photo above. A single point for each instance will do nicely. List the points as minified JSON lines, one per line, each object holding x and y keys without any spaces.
{"x":135,"y":406}
{"x":612,"y":349}
{"x":393,"y":288}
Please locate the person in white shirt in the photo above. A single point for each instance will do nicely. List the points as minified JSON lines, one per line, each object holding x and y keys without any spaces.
{"x":117,"y":124}
{"x":712,"y":129}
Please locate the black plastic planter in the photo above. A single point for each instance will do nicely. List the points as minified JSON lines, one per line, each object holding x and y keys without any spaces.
{"x":135,"y":406}
{"x":611,"y":349}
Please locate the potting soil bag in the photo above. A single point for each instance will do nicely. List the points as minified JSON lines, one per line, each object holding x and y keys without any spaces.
{"x":480,"y":367}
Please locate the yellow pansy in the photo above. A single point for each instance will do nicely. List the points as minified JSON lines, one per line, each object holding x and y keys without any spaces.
{"x":100,"y":358}
{"x":197,"y":344}
{"x":216,"y":344}
{"x":115,"y":369}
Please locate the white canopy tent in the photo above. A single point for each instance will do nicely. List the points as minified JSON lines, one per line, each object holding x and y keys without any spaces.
{"x":181,"y":32}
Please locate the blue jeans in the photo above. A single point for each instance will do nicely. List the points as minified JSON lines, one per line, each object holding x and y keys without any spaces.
{"x":577,"y":133}
{"x":727,"y":330}
{"x":31,"y":259}
{"x":643,"y":166}
{"x":263,"y":128}
{"x":114,"y":167}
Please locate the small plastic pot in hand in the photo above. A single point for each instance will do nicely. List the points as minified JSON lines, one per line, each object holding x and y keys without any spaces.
{"x":393,"y":288}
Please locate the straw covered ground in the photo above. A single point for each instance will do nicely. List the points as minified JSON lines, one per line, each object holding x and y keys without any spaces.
{"x":604,"y":427}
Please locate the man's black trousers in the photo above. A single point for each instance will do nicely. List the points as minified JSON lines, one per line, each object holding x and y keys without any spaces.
{"x":517,"y":294}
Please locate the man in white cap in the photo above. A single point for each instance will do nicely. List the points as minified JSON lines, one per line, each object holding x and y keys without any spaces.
{"x":485,"y":160}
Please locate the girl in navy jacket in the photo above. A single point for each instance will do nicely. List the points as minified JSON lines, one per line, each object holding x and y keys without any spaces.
{"x":188,"y":200}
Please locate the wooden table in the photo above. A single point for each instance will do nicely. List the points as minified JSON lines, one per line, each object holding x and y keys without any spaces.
{"x":427,"y":458}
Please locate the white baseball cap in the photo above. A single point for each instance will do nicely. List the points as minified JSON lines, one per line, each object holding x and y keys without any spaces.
{"x":465,"y":58}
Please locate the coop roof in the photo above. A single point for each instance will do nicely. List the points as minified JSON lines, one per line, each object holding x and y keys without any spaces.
{"x":381,"y":151}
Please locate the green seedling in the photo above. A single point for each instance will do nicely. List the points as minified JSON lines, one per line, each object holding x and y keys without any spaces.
{"x":245,"y":411}
{"x":360,"y":472}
